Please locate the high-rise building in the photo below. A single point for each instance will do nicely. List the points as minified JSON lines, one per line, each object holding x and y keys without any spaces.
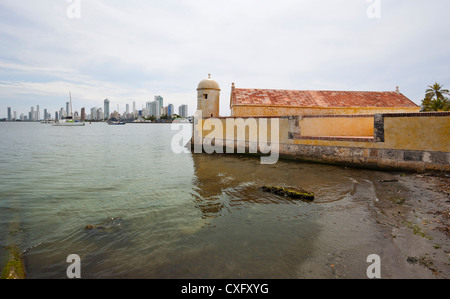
{"x":38,"y":113}
{"x":127,"y":109}
{"x":134,"y":109}
{"x":160,"y":101}
{"x":183,"y":111}
{"x":100,"y":114}
{"x":155,"y":108}
{"x":170,"y":111}
{"x":9,"y":114}
{"x":106,"y":108}
{"x":94,"y":113}
{"x":83,"y":114}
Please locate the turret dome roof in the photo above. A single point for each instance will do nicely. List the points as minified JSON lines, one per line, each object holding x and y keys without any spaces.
{"x":208,"y":84}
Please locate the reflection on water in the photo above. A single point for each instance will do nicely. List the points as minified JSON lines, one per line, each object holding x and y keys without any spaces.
{"x":181,"y":215}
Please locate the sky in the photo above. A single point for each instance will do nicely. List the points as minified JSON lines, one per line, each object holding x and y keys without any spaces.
{"x":133,"y":50}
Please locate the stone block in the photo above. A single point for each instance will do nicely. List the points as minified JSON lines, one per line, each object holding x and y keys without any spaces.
{"x":426,"y":157}
{"x":440,"y":158}
{"x":412,"y":156}
{"x":357,"y":152}
{"x":390,"y":154}
{"x":378,"y":128}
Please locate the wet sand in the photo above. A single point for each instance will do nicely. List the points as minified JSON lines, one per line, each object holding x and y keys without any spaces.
{"x":414,"y":211}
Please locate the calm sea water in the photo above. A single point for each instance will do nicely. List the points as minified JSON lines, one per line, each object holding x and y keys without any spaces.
{"x":176,"y":215}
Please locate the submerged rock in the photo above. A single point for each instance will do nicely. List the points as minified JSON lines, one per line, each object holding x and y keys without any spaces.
{"x":290,"y":192}
{"x":108,"y":223}
{"x":90,"y":226}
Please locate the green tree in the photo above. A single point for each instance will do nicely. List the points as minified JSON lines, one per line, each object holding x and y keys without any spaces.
{"x":435,"y":98}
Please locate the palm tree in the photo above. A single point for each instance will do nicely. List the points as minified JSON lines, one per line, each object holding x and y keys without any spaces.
{"x":435,"y":99}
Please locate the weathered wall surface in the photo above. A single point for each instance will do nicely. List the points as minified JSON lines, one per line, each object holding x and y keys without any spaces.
{"x":401,"y":141}
{"x":351,"y":125}
{"x":208,"y":102}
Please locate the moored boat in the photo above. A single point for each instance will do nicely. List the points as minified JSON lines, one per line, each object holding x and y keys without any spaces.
{"x":116,"y":123}
{"x":68,"y":121}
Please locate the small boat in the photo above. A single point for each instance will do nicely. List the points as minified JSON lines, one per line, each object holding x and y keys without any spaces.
{"x":116,"y":123}
{"x":68,"y":121}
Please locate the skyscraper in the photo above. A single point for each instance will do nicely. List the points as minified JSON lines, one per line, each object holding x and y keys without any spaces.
{"x":106,"y":108}
{"x":160,"y":101}
{"x":100,"y":114}
{"x":170,"y":111}
{"x":183,"y":111}
{"x":83,"y":114}
{"x":155,"y":109}
{"x":9,"y":114}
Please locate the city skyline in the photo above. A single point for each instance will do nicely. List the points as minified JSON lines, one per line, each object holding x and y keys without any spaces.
{"x":34,"y":111}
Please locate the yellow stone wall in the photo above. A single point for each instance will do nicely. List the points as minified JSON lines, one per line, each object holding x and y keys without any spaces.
{"x":429,"y":133}
{"x":411,"y":141}
{"x":418,"y":133}
{"x":404,"y":133}
{"x":337,"y":126}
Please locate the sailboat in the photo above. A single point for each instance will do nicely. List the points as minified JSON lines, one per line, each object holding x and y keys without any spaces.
{"x":68,"y":120}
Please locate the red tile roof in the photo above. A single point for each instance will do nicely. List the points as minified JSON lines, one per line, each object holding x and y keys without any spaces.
{"x":309,"y":98}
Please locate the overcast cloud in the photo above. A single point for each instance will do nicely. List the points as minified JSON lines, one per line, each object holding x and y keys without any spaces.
{"x":133,"y":50}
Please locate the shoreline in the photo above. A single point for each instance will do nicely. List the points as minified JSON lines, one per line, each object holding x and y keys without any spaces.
{"x":414,"y":211}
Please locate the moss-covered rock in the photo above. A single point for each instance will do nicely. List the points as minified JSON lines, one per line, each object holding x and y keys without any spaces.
{"x":291,"y":192}
{"x":15,"y":268}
